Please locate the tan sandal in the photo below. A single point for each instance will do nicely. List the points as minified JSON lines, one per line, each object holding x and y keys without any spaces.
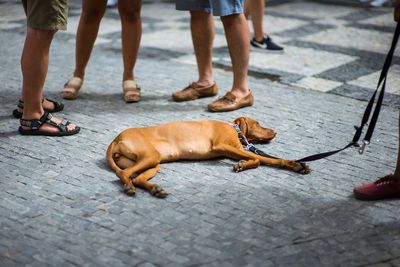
{"x":71,"y":88}
{"x":131,"y":91}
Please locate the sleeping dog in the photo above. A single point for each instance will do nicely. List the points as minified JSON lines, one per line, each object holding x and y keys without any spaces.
{"x":140,"y":151}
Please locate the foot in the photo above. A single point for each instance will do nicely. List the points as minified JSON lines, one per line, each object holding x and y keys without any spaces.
{"x":383,"y":188}
{"x":129,"y":189}
{"x":131,"y":91}
{"x":266,"y":43}
{"x":194,"y":91}
{"x":230,"y":102}
{"x":71,"y":88}
{"x":47,"y":125}
{"x":159,"y":192}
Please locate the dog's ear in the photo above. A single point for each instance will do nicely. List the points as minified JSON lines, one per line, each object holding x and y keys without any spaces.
{"x":242,"y":123}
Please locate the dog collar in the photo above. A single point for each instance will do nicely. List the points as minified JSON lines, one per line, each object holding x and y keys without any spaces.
{"x":243,"y":140}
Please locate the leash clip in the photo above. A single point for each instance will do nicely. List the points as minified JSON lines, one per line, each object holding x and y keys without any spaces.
{"x":361,"y":147}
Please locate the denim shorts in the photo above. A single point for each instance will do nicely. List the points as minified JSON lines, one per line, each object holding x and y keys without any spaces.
{"x":216,"y":7}
{"x":46,"y":14}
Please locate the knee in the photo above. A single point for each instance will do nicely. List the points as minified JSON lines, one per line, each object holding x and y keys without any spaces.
{"x":40,"y":34}
{"x":92,"y":15}
{"x":231,"y":19}
{"x":199,"y":15}
{"x":130,"y":15}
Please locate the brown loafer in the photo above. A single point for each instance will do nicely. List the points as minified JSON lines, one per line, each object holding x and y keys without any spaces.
{"x":230,"y":102}
{"x":195,"y":91}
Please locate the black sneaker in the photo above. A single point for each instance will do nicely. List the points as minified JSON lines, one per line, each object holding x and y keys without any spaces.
{"x":267,"y":44}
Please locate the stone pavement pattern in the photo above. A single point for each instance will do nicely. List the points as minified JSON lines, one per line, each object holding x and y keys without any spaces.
{"x":61,"y":205}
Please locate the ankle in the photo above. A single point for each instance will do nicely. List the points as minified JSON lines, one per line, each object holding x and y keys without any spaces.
{"x":32,"y":115}
{"x":259,"y":39}
{"x":240,"y":91}
{"x":79,"y":74}
{"x":205,"y":82}
{"x":128,"y":77}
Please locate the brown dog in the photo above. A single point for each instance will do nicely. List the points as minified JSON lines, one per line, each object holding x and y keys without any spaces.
{"x":141,"y":150}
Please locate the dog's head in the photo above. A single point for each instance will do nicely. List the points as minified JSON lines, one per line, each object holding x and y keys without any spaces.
{"x":253,"y":131}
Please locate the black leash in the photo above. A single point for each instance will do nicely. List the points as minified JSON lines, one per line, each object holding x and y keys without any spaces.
{"x":367,"y":138}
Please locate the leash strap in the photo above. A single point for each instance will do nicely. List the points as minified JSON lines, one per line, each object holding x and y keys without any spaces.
{"x":367,"y":138}
{"x":367,"y":112}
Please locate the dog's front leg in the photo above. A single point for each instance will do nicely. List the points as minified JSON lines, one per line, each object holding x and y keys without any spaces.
{"x":241,"y":154}
{"x":247,"y":161}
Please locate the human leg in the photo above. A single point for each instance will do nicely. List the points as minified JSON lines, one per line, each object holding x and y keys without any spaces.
{"x":131,"y":25}
{"x":261,"y":40}
{"x":237,"y":36}
{"x":56,"y":19}
{"x":396,"y":173}
{"x":34,"y":64}
{"x":203,"y":32}
{"x":386,"y":187}
{"x":89,"y":22}
{"x":256,"y":9}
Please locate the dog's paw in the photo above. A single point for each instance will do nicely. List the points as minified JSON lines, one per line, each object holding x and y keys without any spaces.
{"x":302,"y":168}
{"x":158,"y":192}
{"x":238,"y":167}
{"x":129,"y":190}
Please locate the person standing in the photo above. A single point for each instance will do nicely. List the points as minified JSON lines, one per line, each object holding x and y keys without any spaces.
{"x":255,"y":9}
{"x":389,"y":185}
{"x":237,"y":36}
{"x":92,"y":13}
{"x":35,"y":118}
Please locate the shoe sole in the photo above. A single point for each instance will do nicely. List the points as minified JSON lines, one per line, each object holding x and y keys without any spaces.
{"x":227,"y":110}
{"x":41,"y":133}
{"x":365,"y":197}
{"x":252,"y":48}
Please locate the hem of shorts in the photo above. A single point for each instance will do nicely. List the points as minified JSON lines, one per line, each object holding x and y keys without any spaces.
{"x":228,"y":12}
{"x":52,"y":27}
{"x":223,"y":13}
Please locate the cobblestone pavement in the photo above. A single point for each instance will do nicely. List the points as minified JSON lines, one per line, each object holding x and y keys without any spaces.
{"x":61,"y":205}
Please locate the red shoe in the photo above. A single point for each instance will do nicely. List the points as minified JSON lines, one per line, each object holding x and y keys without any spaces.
{"x":386,"y":187}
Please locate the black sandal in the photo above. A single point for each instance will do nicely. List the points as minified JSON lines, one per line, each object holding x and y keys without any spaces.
{"x":35,"y":125}
{"x":58,"y":106}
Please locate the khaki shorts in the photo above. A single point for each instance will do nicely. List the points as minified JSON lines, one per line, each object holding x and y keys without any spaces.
{"x":46,"y":14}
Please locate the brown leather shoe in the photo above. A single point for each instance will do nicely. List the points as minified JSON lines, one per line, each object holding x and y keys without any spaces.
{"x":195,"y":91}
{"x":230,"y":102}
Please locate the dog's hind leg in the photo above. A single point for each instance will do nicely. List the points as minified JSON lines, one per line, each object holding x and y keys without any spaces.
{"x":142,"y":181}
{"x":145,"y":163}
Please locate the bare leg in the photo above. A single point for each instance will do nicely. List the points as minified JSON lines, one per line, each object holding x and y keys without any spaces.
{"x":92,"y":13}
{"x":256,"y":10}
{"x":129,"y":11}
{"x":397,"y":170}
{"x":34,"y":64}
{"x":237,"y":36}
{"x":203,"y":32}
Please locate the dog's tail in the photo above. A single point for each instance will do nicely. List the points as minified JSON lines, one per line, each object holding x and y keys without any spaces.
{"x":110,"y":156}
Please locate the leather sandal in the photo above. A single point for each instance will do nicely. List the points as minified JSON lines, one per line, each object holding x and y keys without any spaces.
{"x":35,"y":125}
{"x":58,"y":106}
{"x":131,"y":91}
{"x":71,"y":88}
